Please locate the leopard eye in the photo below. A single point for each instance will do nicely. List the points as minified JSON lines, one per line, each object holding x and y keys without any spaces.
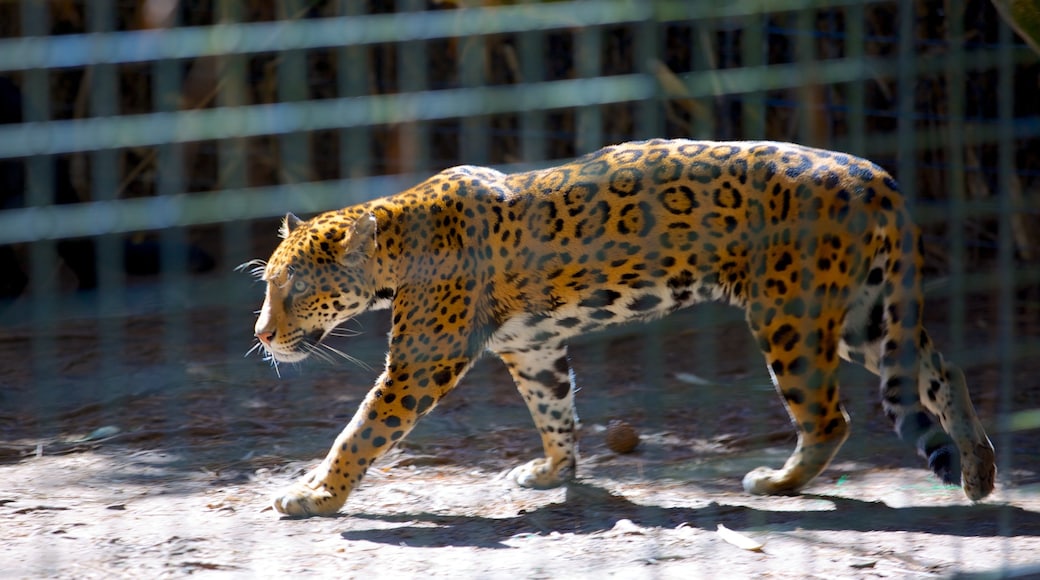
{"x":299,"y":286}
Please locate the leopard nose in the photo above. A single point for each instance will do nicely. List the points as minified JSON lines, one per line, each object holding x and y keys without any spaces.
{"x":265,"y":336}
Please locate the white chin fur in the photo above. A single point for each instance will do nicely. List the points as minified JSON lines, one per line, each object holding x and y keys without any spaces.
{"x":286,"y":356}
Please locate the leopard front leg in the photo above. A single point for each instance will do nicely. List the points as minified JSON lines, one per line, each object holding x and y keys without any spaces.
{"x":544,"y":378}
{"x":401,"y":396}
{"x":324,"y":489}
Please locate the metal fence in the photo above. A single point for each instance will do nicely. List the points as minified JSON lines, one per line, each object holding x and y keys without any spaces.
{"x":147,"y":148}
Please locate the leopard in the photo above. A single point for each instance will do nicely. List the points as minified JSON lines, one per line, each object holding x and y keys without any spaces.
{"x":816,"y":246}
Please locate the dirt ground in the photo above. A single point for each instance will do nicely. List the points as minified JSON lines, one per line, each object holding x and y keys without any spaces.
{"x":163,"y":465}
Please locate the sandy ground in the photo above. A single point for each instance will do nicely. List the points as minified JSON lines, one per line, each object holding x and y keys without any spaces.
{"x":157,"y":467}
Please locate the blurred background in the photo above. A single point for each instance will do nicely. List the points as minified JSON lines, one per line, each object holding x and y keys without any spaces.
{"x":147,"y":148}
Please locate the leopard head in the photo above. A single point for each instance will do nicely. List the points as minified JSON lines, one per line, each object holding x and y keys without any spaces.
{"x":317,"y":278}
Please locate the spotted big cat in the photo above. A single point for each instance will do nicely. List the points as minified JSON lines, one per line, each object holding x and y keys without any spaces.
{"x":817,"y":248}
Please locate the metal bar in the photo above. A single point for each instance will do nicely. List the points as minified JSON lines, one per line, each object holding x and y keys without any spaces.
{"x":102,"y":87}
{"x":294,"y":147}
{"x":95,"y":218}
{"x":227,"y":122}
{"x":955,"y":177}
{"x":589,"y":57}
{"x":649,"y":120}
{"x":74,"y":50}
{"x":413,"y":138}
{"x":855,"y":23}
{"x":42,"y":255}
{"x":174,"y":285}
{"x":810,"y":86}
{"x":277,"y":118}
{"x":182,"y":210}
{"x":753,"y":54}
{"x":704,"y":84}
{"x":352,"y":69}
{"x":233,"y":158}
{"x":473,"y":140}
{"x":906,"y":75}
{"x":533,"y":56}
{"x":1009,"y":274}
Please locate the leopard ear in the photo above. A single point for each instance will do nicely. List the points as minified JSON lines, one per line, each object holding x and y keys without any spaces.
{"x":290,"y":223}
{"x":360,"y":243}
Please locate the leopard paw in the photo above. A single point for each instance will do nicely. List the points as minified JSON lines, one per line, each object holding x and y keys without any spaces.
{"x":946,"y":464}
{"x":766,"y":481}
{"x":542,"y":474}
{"x":308,"y":497}
{"x":979,"y":471}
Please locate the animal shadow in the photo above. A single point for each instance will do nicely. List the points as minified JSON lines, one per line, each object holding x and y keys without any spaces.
{"x":588,"y":509}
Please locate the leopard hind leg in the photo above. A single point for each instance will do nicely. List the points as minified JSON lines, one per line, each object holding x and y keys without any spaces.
{"x":801,"y":354}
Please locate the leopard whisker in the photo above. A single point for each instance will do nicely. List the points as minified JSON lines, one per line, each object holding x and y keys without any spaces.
{"x":269,"y":357}
{"x":347,"y":357}
{"x":256,"y":346}
{"x":313,"y":350}
{"x":265,"y":355}
{"x":325,"y":352}
{"x":255,"y":268}
{"x":344,"y":332}
{"x":355,"y":322}
{"x":342,"y":329}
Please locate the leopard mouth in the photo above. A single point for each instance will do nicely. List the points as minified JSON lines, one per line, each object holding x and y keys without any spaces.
{"x":277,"y":355}
{"x":312,"y":339}
{"x":307,"y":345}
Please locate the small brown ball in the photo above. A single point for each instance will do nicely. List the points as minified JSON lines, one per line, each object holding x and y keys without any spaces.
{"x":621,"y":437}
